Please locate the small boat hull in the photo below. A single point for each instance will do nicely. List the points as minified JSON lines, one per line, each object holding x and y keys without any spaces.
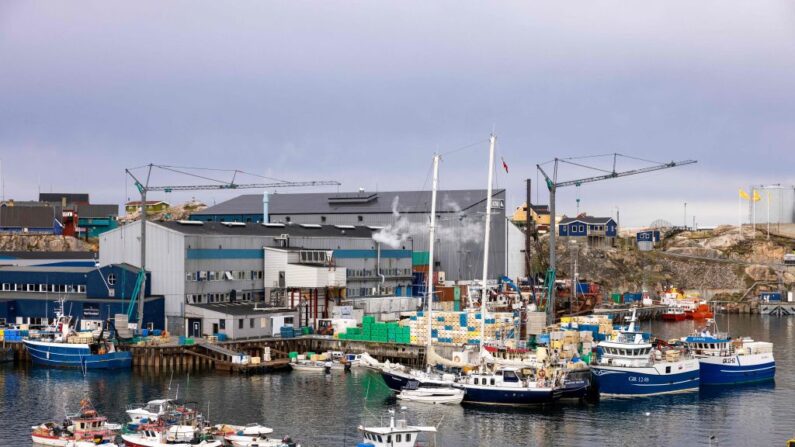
{"x":577,"y":385}
{"x":67,"y":355}
{"x":450,"y":396}
{"x":737,"y":370}
{"x":395,"y":381}
{"x":614,"y":381}
{"x":139,"y":441}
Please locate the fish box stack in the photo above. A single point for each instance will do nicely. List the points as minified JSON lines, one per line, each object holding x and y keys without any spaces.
{"x":460,"y":327}
{"x":372,"y":331}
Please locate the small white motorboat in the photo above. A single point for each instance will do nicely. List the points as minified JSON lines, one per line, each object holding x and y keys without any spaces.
{"x":396,"y":434}
{"x":413,"y":392}
{"x":317,"y":367}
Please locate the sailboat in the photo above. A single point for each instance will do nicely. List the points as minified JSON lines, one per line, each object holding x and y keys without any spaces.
{"x":504,"y":385}
{"x":398,"y":377}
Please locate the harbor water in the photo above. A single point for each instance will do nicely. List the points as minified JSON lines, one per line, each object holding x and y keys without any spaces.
{"x":320,"y":410}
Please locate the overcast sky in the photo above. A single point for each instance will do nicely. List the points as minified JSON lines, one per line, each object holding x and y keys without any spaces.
{"x":364,"y":92}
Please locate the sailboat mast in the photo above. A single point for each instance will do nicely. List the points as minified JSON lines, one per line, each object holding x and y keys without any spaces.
{"x":431,"y":240}
{"x":484,"y":293}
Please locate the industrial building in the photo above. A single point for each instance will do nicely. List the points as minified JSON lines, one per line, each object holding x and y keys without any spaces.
{"x":28,"y":294}
{"x":593,"y":231}
{"x":281,"y":266}
{"x":776,"y":204}
{"x":47,"y":258}
{"x":402,"y":218}
{"x":69,"y":214}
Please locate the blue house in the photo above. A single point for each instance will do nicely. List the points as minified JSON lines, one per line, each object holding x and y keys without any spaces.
{"x":594,"y":231}
{"x":93,"y":294}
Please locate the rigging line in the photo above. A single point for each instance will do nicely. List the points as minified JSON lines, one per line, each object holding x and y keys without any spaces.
{"x":463,"y":147}
{"x":588,"y":156}
{"x":138,"y":167}
{"x":640,"y":159}
{"x":263,"y":176}
{"x":585,"y":166}
{"x":194,"y":175}
{"x":198,"y":168}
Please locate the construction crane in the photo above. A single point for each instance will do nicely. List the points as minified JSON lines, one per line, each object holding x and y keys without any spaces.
{"x":553,"y":184}
{"x":145,"y":187}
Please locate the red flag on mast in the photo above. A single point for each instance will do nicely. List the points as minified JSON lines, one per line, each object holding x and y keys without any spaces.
{"x":504,"y":165}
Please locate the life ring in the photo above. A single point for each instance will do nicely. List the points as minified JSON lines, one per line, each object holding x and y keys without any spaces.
{"x":457,"y":358}
{"x":541,"y":374}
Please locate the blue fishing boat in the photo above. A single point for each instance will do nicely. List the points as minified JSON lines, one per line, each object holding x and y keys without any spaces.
{"x":629,"y":366}
{"x":726,"y":361}
{"x":61,"y":347}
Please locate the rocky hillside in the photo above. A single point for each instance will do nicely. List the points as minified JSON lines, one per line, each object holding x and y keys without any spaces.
{"x":43,"y":242}
{"x":717,"y":262}
{"x":177,"y":212}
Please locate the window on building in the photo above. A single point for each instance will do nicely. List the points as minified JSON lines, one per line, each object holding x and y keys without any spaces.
{"x":31,"y":288}
{"x":251,"y":323}
{"x":222,"y":324}
{"x":286,"y":218}
{"x":360,"y":218}
{"x":111,"y":279}
{"x":6,"y":287}
{"x":240,"y":323}
{"x":323,"y":219}
{"x":189,"y":276}
{"x":288,"y":321}
{"x":81,"y":288}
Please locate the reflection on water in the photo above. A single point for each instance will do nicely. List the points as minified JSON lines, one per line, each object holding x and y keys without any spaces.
{"x":325,"y":411}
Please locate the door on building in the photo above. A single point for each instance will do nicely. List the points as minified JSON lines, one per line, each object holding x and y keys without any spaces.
{"x":194,"y":327}
{"x":215,"y":328}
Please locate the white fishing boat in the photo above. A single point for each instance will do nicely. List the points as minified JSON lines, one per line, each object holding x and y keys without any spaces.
{"x":87,"y":425}
{"x":396,"y":434}
{"x":173,"y":436}
{"x":251,"y":435}
{"x":413,"y":392}
{"x":150,"y":411}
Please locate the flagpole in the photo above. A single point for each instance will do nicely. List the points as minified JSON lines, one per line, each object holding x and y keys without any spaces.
{"x":753,"y":213}
{"x":768,"y":214}
{"x":740,"y":215}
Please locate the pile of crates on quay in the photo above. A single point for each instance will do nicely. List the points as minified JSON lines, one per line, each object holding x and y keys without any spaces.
{"x":372,"y":331}
{"x":460,"y":327}
{"x":13,"y":335}
{"x":577,"y":336}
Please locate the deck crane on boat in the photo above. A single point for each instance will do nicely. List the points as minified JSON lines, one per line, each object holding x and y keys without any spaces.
{"x":144,"y":187}
{"x":553,"y":184}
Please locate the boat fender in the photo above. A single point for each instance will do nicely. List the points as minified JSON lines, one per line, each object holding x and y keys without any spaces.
{"x":541,"y":374}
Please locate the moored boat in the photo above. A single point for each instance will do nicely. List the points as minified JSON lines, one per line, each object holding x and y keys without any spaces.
{"x":87,"y":425}
{"x":397,"y":434}
{"x":508,"y":386}
{"x":63,"y":349}
{"x":629,"y":366}
{"x":173,"y":436}
{"x":414,"y":392}
{"x":674,"y":313}
{"x":726,"y":361}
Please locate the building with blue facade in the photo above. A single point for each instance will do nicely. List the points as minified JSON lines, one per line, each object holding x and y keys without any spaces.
{"x":593,"y":231}
{"x":93,"y":294}
{"x":199,"y":266}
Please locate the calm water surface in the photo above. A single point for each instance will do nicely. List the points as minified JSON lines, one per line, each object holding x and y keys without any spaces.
{"x":325,"y":411}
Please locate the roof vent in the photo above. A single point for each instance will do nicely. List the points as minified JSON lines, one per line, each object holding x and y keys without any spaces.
{"x":273,"y":224}
{"x":305,"y":225}
{"x":190,"y":222}
{"x":234,"y":224}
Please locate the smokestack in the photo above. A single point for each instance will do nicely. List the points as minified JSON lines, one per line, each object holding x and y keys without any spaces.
{"x":265,"y":202}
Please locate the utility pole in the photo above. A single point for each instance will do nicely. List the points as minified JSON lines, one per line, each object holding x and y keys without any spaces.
{"x":685,"y":220}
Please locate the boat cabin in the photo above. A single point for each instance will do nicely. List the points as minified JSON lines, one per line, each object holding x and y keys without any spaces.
{"x":397,"y":434}
{"x":710,"y":346}
{"x":628,"y":349}
{"x":507,"y":377}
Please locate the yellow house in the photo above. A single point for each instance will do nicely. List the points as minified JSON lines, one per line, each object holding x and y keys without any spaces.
{"x":538,"y":214}
{"x":152,"y":206}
